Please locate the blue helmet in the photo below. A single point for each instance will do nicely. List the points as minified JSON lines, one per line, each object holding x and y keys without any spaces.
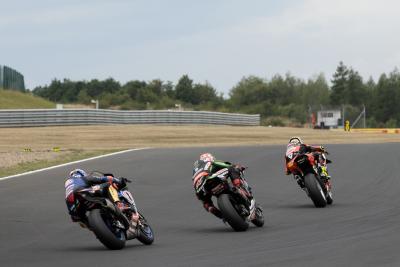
{"x":77,"y":173}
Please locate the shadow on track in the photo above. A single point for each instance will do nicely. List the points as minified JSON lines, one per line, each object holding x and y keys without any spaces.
{"x":224,"y":229}
{"x":94,"y":248}
{"x":311,"y":206}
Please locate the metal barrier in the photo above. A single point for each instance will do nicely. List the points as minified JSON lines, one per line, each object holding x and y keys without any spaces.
{"x":52,"y":117}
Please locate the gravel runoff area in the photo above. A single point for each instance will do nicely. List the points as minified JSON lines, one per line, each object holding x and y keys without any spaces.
{"x":24,"y":145}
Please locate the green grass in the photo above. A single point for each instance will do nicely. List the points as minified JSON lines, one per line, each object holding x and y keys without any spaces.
{"x":10,"y":99}
{"x":39,"y":164}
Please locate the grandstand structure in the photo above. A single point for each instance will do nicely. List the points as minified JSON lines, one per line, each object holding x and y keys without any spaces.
{"x":11,"y":79}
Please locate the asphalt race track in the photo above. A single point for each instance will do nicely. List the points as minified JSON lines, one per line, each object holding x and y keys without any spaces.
{"x":362,"y":228}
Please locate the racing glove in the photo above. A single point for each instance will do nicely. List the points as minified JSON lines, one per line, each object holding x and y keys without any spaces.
{"x":122,"y":182}
{"x":323,"y":150}
{"x":212,"y":209}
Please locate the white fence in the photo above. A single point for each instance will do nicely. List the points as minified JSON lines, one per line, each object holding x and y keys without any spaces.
{"x":51,"y":117}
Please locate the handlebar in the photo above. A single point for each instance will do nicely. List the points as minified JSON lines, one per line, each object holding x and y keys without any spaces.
{"x":125,"y":179}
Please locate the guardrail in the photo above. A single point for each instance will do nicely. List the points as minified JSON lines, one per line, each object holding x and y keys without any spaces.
{"x":53,"y":117}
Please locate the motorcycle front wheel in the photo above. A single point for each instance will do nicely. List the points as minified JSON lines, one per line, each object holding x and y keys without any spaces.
{"x":315,"y":190}
{"x":144,"y":232}
{"x":259,"y":219}
{"x":230,"y":214}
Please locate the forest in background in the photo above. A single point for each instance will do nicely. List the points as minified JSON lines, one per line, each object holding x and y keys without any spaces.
{"x":281,"y":100}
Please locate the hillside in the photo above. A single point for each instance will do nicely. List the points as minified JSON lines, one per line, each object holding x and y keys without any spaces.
{"x":14,"y":100}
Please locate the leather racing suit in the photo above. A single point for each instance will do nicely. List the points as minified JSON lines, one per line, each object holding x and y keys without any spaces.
{"x":203,"y":169}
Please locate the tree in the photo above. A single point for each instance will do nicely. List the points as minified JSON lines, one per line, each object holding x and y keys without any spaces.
{"x":339,"y":85}
{"x":110,"y":86}
{"x":156,"y":87}
{"x":203,"y":93}
{"x":169,"y":90}
{"x":315,"y":92}
{"x":94,"y":88}
{"x":184,"y":89}
{"x":70,"y":91}
{"x":386,"y":108}
{"x":356,"y":91}
{"x":132,"y":88}
{"x":248,"y":91}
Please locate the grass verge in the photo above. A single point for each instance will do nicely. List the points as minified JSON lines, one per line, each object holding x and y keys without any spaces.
{"x":61,"y":159}
{"x":79,"y":142}
{"x":11,"y":99}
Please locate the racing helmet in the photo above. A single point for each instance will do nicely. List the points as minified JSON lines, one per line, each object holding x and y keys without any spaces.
{"x":77,"y":173}
{"x":295,"y":141}
{"x":207,"y":157}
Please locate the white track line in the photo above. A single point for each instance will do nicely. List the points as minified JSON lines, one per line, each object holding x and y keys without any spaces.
{"x":73,"y":162}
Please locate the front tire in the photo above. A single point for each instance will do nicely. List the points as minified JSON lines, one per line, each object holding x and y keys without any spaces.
{"x":144,"y":232}
{"x":103,"y":232}
{"x":230,"y":214}
{"x":259,"y":220}
{"x":329,"y":199}
{"x":315,"y":190}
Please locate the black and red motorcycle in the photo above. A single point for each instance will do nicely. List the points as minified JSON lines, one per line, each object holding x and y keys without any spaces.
{"x":237,"y":206}
{"x":305,"y":168}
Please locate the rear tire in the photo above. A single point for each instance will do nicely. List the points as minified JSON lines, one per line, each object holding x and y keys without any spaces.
{"x":103,"y":233}
{"x":230,"y":214}
{"x":315,"y":190}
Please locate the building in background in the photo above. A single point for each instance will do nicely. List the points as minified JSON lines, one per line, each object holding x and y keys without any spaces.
{"x":11,"y":79}
{"x":328,"y":119}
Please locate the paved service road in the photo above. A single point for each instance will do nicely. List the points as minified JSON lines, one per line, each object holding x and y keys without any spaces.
{"x":361,"y":228}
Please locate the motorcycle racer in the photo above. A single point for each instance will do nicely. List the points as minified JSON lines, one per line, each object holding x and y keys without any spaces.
{"x":206,"y":166}
{"x":78,"y":179}
{"x":295,"y":147}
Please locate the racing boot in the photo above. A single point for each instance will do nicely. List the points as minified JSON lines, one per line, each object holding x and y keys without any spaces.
{"x":135,"y":218}
{"x":326,"y":178}
{"x":131,"y":233}
{"x":323,"y":172}
{"x":299,"y":181}
{"x":84,"y":225}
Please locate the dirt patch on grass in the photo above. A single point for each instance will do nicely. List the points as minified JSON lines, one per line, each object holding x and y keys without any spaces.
{"x":10,"y":159}
{"x":97,"y":139}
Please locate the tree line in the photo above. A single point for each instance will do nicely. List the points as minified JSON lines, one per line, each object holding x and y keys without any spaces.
{"x":281,"y":100}
{"x":155,"y":94}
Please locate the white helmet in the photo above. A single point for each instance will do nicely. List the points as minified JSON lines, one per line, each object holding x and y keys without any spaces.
{"x":207,"y":157}
{"x":77,"y":173}
{"x":295,"y":141}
